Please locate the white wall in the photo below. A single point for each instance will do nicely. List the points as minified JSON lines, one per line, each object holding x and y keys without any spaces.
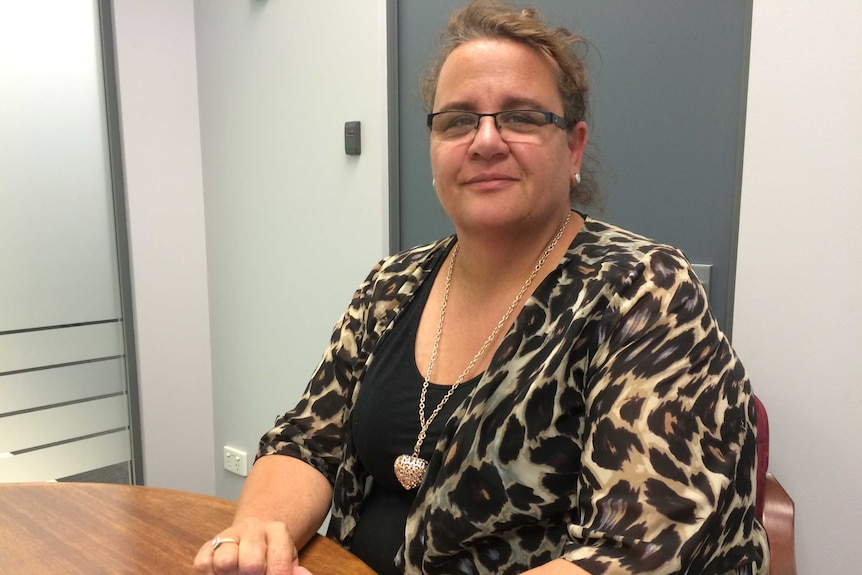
{"x":161,"y":146}
{"x":293,"y":224}
{"x":797,"y":320}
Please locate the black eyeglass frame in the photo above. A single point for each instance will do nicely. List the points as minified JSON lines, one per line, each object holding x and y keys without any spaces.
{"x":550,"y":117}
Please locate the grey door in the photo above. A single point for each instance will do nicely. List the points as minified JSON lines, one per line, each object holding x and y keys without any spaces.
{"x":669,"y":83}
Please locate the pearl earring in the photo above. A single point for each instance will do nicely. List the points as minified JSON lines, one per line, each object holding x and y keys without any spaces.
{"x":577,"y":178}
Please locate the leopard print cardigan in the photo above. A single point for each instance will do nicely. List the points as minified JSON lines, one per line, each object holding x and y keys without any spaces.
{"x":614,"y":426}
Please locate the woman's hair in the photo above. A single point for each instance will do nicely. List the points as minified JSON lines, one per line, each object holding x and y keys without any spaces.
{"x":495,"y":19}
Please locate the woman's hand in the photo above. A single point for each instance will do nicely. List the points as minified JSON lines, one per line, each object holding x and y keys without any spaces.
{"x":251,"y":547}
{"x":275,"y":517}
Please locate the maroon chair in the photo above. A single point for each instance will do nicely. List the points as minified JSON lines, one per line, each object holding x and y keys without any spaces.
{"x":773,"y":505}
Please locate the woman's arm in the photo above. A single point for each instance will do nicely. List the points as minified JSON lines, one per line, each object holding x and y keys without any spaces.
{"x":288,"y":490}
{"x":668,"y":456}
{"x":283,"y":503}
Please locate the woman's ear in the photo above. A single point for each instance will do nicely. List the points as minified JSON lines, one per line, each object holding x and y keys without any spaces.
{"x":577,"y":144}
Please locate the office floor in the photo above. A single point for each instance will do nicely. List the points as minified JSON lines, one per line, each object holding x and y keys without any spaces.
{"x":118,"y":474}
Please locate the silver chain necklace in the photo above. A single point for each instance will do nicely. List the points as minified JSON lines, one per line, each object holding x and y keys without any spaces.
{"x":410,"y":469}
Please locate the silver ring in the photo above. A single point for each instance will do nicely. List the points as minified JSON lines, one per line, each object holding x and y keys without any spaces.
{"x":219,"y":540}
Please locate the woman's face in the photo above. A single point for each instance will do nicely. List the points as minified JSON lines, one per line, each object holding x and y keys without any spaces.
{"x":485,"y":182}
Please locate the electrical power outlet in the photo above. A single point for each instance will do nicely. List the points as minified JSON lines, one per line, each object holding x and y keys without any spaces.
{"x":235,"y":461}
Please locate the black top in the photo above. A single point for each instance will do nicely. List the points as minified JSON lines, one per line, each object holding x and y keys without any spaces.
{"x":385,"y":424}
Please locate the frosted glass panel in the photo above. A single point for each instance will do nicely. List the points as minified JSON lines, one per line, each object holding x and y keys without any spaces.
{"x":32,"y":389}
{"x":46,"y":426}
{"x":33,"y":349}
{"x":56,"y":210}
{"x":67,"y":459}
{"x":64,"y":402}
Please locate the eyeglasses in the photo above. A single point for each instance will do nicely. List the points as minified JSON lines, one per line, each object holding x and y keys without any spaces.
{"x":513,"y":125}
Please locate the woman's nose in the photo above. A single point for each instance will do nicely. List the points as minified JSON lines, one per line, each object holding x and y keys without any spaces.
{"x":487,"y":141}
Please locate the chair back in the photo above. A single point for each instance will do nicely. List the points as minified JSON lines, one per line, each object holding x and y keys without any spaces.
{"x":762,"y":455}
{"x":772,"y":504}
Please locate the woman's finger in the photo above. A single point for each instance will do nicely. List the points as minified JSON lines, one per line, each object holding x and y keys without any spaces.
{"x":227,"y":548}
{"x":252,"y":553}
{"x":281,"y":555}
{"x":225,"y":557}
{"x":203,"y":560}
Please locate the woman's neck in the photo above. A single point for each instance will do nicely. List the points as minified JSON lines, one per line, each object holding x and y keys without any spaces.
{"x":488,"y":263}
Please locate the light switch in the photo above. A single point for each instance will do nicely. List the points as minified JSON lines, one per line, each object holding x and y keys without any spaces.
{"x":352,"y":138}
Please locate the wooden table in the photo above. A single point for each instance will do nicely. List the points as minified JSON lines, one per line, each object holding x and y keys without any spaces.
{"x":91,"y":528}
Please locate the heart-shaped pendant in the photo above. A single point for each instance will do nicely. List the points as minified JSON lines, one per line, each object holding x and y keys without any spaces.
{"x":410,"y":470}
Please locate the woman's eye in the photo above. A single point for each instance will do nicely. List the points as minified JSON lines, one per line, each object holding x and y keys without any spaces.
{"x":461,"y":121}
{"x":520,"y":118}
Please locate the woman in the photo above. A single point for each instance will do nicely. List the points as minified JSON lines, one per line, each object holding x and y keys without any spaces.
{"x":541,"y":393}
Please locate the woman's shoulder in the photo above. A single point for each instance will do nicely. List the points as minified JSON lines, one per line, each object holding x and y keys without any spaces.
{"x":409,"y":261}
{"x":610,"y":246}
{"x":597,"y":233}
{"x":396,"y":277}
